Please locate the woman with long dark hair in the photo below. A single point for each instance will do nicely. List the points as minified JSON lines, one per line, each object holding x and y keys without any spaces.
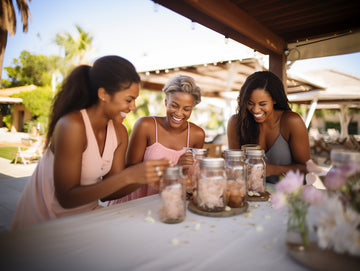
{"x":264,"y":117}
{"x":84,"y":158}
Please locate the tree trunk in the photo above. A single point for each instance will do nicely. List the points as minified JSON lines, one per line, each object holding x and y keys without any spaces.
{"x":3,"y":41}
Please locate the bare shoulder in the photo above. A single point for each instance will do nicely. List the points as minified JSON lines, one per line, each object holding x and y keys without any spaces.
{"x":144,"y":123}
{"x":70,"y":129}
{"x":292,"y":123}
{"x":71,"y":122}
{"x":196,"y":130}
{"x":233,"y":119}
{"x":291,"y":118}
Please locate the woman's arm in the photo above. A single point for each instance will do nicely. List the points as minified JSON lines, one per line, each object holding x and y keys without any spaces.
{"x":139,"y":140}
{"x":134,"y":153}
{"x":298,"y":139}
{"x":232,"y":134}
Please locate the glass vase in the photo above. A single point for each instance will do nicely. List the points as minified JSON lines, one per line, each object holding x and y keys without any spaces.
{"x":297,"y":235}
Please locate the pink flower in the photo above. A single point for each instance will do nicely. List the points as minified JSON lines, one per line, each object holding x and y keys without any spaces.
{"x":350,"y":168}
{"x":291,"y":182}
{"x":312,"y":195}
{"x":278,"y":200}
{"x":334,"y":179}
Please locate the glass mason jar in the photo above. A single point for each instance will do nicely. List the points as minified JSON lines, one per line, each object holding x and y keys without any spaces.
{"x":235,"y":174}
{"x":172,"y":195}
{"x":194,"y":170}
{"x":211,"y":185}
{"x":255,"y":169}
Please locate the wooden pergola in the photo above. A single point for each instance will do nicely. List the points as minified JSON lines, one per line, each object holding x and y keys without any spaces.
{"x":220,"y":79}
{"x":284,"y":30}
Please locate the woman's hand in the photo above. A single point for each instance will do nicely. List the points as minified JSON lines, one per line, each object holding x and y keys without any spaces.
{"x":148,"y":172}
{"x":186,"y":160}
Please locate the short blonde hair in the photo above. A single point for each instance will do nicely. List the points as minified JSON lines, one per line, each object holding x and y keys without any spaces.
{"x":185,"y":84}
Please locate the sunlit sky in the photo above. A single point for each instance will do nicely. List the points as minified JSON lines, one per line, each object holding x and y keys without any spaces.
{"x":150,"y":36}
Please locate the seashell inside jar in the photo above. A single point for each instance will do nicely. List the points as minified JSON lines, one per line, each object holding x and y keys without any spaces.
{"x":172,"y":195}
{"x":235,"y":173}
{"x":211,"y":185}
{"x":255,"y":173}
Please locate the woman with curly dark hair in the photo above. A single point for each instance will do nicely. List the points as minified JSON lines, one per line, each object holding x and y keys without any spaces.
{"x":264,"y":117}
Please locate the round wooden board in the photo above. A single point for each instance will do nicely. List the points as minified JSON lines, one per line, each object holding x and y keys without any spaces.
{"x":234,"y":211}
{"x":260,"y":198}
{"x":319,"y":259}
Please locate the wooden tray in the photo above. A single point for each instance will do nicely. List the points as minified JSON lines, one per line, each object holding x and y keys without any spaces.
{"x":319,"y":259}
{"x":234,"y":211}
{"x":259,"y":198}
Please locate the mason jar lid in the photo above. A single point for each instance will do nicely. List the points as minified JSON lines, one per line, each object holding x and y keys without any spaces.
{"x":341,"y":155}
{"x":234,"y":153}
{"x":173,"y":171}
{"x":199,"y":151}
{"x":253,"y":152}
{"x":247,"y":147}
{"x":212,"y":162}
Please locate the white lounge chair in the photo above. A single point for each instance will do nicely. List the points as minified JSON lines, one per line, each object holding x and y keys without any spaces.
{"x":26,"y":156}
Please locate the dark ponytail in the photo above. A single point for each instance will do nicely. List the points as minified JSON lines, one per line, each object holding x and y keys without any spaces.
{"x":80,"y":88}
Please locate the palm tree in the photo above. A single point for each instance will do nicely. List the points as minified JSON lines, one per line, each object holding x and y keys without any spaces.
{"x":8,"y":23}
{"x":75,"y":47}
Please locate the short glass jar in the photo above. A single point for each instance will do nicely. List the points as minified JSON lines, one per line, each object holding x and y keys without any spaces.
{"x":172,"y":195}
{"x":211,"y":185}
{"x":235,"y":173}
{"x":255,"y":170}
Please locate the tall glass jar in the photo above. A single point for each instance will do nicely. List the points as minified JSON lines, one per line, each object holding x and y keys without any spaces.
{"x":172,"y":194}
{"x":194,"y":170}
{"x":255,"y":172}
{"x":211,"y":185}
{"x":235,"y":173}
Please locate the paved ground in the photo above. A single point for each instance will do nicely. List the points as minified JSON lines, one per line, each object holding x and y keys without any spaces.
{"x":12,"y":182}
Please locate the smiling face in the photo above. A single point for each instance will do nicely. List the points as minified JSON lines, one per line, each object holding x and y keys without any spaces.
{"x":179,"y":106}
{"x":122,"y":102}
{"x":260,"y":105}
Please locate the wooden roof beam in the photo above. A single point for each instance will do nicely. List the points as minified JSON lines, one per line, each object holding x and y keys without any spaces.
{"x":226,"y":18}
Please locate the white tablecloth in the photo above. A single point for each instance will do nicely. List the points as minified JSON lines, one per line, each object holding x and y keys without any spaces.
{"x":121,"y":238}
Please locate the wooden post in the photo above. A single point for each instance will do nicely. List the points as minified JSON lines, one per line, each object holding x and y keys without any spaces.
{"x":277,"y":65}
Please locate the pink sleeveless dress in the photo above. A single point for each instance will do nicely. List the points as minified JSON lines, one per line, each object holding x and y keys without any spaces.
{"x":38,"y":201}
{"x":155,"y":151}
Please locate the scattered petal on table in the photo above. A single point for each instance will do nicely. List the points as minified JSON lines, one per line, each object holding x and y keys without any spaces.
{"x":149,"y":220}
{"x":267,"y":216}
{"x":174,"y":241}
{"x":259,"y":228}
{"x":197,"y":226}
